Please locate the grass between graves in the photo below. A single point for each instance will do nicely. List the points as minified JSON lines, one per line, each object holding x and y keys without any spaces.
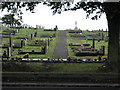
{"x":26,"y":33}
{"x":75,"y":40}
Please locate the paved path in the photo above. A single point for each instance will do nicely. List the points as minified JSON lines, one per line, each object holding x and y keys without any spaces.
{"x":61,"y":50}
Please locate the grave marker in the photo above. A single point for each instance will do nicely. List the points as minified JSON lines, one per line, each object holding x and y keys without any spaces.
{"x":22,"y":43}
{"x":35,"y":35}
{"x":25,"y":41}
{"x":9,"y":51}
{"x":17,"y":30}
{"x":31,"y":36}
{"x":102,"y":50}
{"x":93,"y":43}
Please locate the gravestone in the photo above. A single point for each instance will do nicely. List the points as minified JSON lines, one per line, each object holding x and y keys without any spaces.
{"x":17,"y":30}
{"x":25,"y":41}
{"x":31,"y":36}
{"x":99,"y":58}
{"x":99,"y":34}
{"x":22,"y":43}
{"x":35,"y":35}
{"x":93,"y":43}
{"x":102,"y":50}
{"x":44,"y":49}
{"x":102,"y":36}
{"x":9,"y":51}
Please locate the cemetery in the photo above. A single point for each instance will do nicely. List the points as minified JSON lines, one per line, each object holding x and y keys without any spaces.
{"x":40,"y":44}
{"x":36,"y":54}
{"x":37,"y":46}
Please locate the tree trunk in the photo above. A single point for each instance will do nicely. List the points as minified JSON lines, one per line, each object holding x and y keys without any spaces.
{"x":113,"y":48}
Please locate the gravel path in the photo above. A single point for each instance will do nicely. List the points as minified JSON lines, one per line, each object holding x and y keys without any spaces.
{"x":61,"y":50}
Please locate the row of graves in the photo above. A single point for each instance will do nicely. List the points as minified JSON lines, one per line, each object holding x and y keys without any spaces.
{"x":97,"y":36}
{"x":43,"y":43}
{"x":9,"y":47}
{"x":88,"y":49}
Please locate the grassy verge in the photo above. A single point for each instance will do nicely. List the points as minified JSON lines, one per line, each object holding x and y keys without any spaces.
{"x":50,"y":67}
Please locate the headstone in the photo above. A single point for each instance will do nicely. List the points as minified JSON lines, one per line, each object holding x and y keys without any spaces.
{"x":44,"y":49}
{"x":17,"y":30}
{"x":9,"y":51}
{"x":31,"y":36}
{"x":99,"y":34}
{"x":99,"y":58}
{"x":22,"y":43}
{"x":103,"y":49}
{"x":35,"y":35}
{"x":102,"y":36}
{"x":25,"y":42}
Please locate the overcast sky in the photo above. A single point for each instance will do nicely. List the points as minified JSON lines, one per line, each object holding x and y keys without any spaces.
{"x":43,"y":16}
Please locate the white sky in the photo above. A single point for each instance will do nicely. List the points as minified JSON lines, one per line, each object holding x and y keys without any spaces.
{"x":43,"y":16}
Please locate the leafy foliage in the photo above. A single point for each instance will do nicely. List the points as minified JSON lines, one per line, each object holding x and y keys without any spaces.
{"x":10,"y":20}
{"x":58,"y":7}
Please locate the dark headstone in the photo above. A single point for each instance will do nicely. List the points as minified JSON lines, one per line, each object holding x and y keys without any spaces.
{"x":93,"y":43}
{"x":31,"y":36}
{"x":99,"y":58}
{"x":35,"y":35}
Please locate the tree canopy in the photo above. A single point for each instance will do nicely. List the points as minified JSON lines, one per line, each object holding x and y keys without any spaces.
{"x":10,"y":20}
{"x":58,"y":7}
